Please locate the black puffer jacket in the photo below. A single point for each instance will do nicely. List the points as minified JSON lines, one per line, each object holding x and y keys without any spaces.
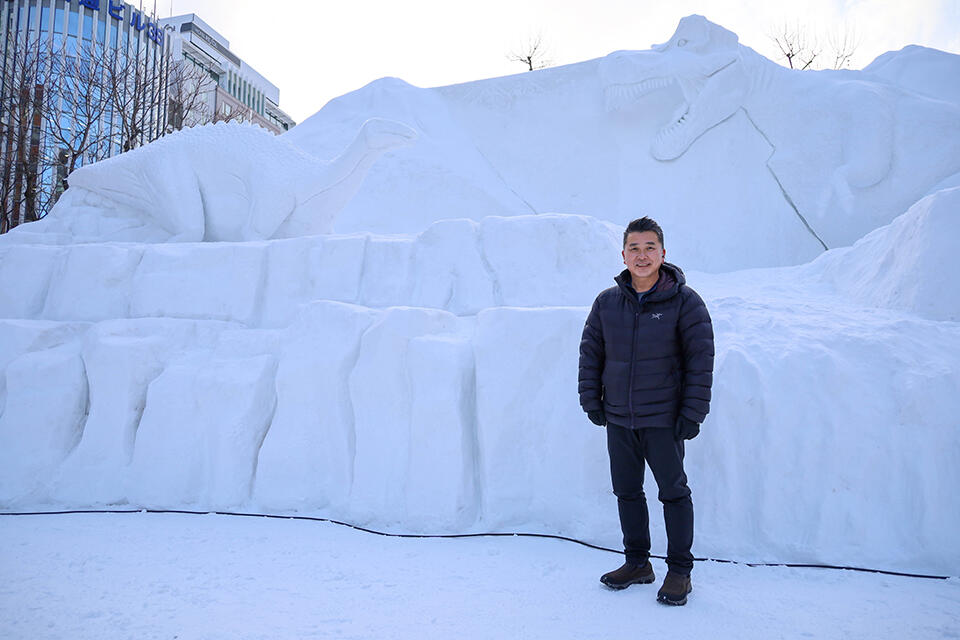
{"x":643,"y":363}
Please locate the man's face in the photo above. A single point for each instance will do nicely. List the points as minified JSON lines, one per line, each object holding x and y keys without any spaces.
{"x":643,"y":254}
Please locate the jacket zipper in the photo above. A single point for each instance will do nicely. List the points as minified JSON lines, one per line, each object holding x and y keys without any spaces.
{"x":633,"y":347}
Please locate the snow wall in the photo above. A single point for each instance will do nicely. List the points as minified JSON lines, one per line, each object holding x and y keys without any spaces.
{"x":416,"y":370}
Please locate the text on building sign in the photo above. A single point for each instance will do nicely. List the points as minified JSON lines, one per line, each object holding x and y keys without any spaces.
{"x":137,"y":19}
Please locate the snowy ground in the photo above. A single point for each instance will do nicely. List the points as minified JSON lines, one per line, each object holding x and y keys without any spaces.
{"x":182,"y":576}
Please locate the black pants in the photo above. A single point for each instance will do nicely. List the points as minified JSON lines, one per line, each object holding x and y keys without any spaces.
{"x":628,"y":449}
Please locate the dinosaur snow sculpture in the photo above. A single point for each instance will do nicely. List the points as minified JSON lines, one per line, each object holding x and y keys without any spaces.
{"x":849,"y":151}
{"x":224,"y":182}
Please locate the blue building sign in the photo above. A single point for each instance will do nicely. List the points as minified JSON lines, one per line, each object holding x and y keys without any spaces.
{"x":137,"y":19}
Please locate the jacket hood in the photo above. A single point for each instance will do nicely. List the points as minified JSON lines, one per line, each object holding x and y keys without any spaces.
{"x":668,"y":284}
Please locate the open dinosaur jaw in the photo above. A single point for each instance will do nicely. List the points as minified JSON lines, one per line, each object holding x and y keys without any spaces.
{"x":622,"y":95}
{"x":671,"y":140}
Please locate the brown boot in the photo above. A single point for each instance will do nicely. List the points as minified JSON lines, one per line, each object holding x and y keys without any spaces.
{"x":629,"y":574}
{"x":675,"y":588}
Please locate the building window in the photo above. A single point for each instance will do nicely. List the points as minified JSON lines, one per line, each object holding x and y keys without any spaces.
{"x":45,"y":18}
{"x":87,"y":24}
{"x":72,"y":23}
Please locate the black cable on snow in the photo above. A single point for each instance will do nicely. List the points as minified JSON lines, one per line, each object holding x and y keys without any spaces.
{"x":490,"y":534}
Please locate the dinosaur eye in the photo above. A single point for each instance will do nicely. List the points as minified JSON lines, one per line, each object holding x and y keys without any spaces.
{"x":681,"y":42}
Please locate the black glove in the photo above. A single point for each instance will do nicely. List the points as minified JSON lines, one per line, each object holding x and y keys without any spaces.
{"x":597,"y":417}
{"x":686,"y":429}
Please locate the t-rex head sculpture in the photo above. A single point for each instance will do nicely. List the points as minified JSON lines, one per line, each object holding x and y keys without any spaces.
{"x":703,"y":59}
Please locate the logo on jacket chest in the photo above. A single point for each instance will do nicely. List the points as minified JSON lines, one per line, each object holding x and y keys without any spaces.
{"x":656,"y":316}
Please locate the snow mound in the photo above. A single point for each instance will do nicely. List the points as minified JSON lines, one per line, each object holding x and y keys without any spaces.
{"x":456,"y":265}
{"x":928,"y":71}
{"x":906,"y":264}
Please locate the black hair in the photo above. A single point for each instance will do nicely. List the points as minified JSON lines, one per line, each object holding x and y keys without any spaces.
{"x":643,"y":224}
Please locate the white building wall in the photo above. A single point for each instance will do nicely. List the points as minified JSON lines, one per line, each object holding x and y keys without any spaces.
{"x":244,"y":85}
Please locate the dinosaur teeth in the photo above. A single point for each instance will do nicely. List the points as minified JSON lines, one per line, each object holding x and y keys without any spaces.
{"x":620,"y":95}
{"x":673,"y":127}
{"x":654,"y":83}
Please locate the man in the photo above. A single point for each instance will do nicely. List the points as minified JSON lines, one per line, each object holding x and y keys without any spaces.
{"x":646,"y":368}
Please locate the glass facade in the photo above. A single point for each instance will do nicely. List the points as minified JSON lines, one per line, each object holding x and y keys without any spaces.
{"x":80,"y":80}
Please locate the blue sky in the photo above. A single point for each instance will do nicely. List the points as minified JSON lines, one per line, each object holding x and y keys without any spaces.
{"x":315,"y":51}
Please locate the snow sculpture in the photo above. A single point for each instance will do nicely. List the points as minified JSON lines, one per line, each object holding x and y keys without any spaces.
{"x":225,"y":182}
{"x":848,"y":151}
{"x":423,"y":378}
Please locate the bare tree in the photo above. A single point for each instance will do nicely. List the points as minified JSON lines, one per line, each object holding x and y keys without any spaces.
{"x":796,"y":46}
{"x":78,"y":104}
{"x":532,"y":53}
{"x":803,"y":51}
{"x":237,"y":113}
{"x":137,"y":86}
{"x":23,"y":100}
{"x":843,"y":44}
{"x":188,"y":86}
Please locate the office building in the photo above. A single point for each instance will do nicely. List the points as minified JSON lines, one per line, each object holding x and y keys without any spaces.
{"x":238,"y":86}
